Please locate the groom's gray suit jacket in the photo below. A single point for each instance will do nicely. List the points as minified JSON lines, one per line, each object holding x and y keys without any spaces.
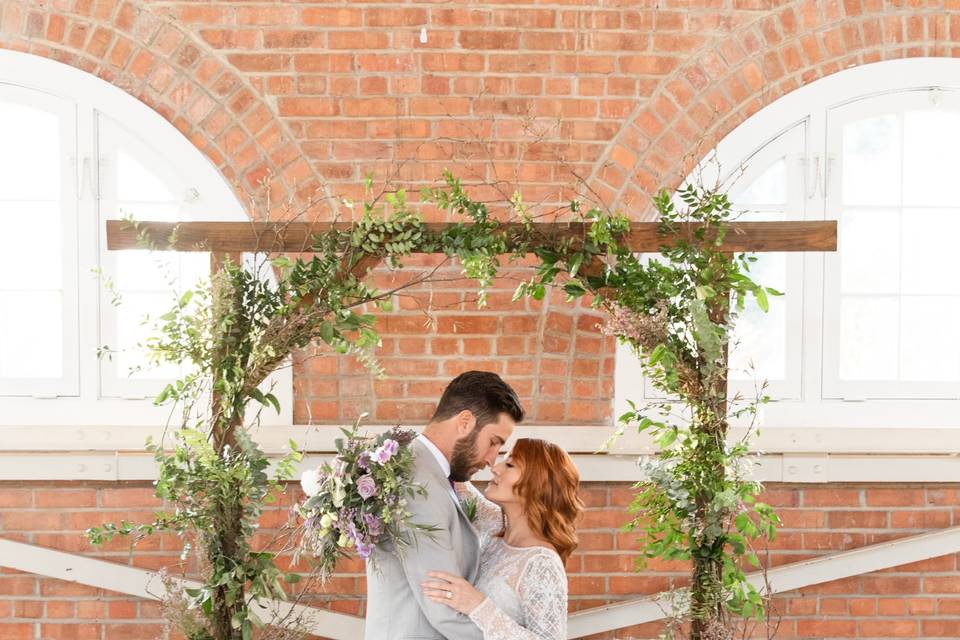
{"x":396,"y":606}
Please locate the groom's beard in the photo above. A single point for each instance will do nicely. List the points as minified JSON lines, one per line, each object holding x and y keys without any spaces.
{"x":464,"y":461}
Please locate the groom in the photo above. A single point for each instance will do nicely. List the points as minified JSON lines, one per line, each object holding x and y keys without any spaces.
{"x":473,"y":420}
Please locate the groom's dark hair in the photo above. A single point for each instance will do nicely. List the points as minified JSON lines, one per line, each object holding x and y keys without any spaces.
{"x":482,"y":393}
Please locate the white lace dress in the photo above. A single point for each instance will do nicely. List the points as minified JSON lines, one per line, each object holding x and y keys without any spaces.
{"x":526,"y":588}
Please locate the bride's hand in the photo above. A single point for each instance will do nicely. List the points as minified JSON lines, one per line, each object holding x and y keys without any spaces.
{"x":453,"y":591}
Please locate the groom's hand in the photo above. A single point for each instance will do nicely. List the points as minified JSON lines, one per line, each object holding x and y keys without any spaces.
{"x":453,"y":591}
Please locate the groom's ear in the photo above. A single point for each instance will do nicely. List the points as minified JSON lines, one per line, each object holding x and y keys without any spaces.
{"x":465,"y":423}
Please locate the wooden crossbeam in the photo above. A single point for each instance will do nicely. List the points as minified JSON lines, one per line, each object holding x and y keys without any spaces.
{"x":295,"y":237}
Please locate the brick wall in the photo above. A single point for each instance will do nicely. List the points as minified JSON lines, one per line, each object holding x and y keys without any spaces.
{"x":916,"y":600}
{"x":623,"y":94}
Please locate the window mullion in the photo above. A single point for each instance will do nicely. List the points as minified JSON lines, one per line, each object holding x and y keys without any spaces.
{"x":87,"y":242}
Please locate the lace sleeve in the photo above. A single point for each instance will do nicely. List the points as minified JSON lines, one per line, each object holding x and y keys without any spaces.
{"x":489,"y":517}
{"x":543,"y":593}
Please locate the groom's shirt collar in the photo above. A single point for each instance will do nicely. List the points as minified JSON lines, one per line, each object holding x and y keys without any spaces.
{"x":441,"y":459}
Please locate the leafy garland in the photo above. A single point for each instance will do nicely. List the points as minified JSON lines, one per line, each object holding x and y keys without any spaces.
{"x":696,"y":504}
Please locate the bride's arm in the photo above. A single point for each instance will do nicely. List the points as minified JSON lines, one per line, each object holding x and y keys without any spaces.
{"x":489,"y":518}
{"x":543,"y":592}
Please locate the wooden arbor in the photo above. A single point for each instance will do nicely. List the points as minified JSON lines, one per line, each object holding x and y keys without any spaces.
{"x":227,"y":240}
{"x":223,"y":239}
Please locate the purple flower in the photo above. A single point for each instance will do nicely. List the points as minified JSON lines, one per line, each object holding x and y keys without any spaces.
{"x":363,"y":460}
{"x":385,"y":451}
{"x":366,"y":486}
{"x":372,"y":523}
{"x":364,"y":549}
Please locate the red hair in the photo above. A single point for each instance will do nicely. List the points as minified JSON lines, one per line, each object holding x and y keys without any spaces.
{"x":548,"y":492}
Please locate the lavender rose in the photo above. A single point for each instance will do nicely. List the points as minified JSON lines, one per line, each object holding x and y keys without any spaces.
{"x":366,"y":486}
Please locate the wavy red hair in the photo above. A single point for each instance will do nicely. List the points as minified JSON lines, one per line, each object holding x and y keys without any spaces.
{"x":547,"y":489}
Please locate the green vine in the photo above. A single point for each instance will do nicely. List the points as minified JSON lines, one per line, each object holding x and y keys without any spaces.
{"x":677,"y":311}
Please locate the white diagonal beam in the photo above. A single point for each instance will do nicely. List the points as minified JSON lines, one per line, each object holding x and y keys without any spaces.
{"x":782,"y":579}
{"x":147,"y":584}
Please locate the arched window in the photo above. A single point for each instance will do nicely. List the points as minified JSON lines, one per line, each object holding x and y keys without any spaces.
{"x":866,"y":336}
{"x":78,"y":151}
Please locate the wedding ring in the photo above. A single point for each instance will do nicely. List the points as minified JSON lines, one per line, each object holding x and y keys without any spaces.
{"x":449,"y":594}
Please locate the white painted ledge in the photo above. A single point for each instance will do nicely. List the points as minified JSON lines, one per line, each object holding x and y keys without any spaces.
{"x":810,"y":468}
{"x":146,"y":584}
{"x":585,"y":438}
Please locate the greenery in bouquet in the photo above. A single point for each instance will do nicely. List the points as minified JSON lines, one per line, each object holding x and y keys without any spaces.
{"x":358,"y":500}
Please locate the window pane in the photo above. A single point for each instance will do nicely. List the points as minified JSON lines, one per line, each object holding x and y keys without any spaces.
{"x":931,"y":154}
{"x":153,"y":211}
{"x":135,"y":319}
{"x":870,"y":251}
{"x":30,"y":163}
{"x":869,"y":337}
{"x":930,"y":261}
{"x":768,"y":189}
{"x":871,"y":161}
{"x":146,"y":270}
{"x":31,"y":334}
{"x":758,"y":345}
{"x":929,"y":340}
{"x":22,"y":220}
{"x":135,"y":182}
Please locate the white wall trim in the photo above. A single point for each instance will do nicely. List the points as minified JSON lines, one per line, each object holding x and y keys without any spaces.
{"x":782,"y":579}
{"x":573,"y":438}
{"x":786,"y":468}
{"x":146,"y":584}
{"x":112,"y":453}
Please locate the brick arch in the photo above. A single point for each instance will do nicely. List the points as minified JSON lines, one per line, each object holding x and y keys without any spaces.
{"x":748,"y":69}
{"x":162,"y":65}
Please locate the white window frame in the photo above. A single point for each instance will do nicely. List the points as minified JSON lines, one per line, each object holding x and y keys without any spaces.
{"x":89,"y":96}
{"x":64,"y":111}
{"x":833,"y":386}
{"x":819,"y":418}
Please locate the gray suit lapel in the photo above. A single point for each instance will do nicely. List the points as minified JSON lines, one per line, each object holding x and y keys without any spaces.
{"x":429,"y":464}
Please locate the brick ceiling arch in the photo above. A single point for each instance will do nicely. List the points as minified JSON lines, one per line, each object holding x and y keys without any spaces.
{"x":157,"y":61}
{"x":757,"y":63}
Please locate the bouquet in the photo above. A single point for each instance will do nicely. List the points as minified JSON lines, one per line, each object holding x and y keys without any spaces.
{"x":358,"y":501}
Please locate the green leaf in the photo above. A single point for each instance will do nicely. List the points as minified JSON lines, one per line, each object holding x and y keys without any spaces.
{"x":761,"y":297}
{"x":574,"y":290}
{"x":667,"y":438}
{"x":271,"y":399}
{"x":327,"y":332}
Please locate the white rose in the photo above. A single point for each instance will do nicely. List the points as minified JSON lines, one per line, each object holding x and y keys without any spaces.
{"x":310,"y":482}
{"x":326,"y":520}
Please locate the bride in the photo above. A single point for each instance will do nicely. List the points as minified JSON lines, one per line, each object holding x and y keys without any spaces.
{"x":527,"y":526}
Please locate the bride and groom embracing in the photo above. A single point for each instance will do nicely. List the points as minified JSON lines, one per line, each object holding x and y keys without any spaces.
{"x":500,"y":576}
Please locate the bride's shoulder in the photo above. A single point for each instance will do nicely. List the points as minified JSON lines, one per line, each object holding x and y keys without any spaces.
{"x":544,"y":568}
{"x":545,"y":556}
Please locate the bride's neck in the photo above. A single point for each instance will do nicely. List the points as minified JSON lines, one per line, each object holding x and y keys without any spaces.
{"x":517,"y":529}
